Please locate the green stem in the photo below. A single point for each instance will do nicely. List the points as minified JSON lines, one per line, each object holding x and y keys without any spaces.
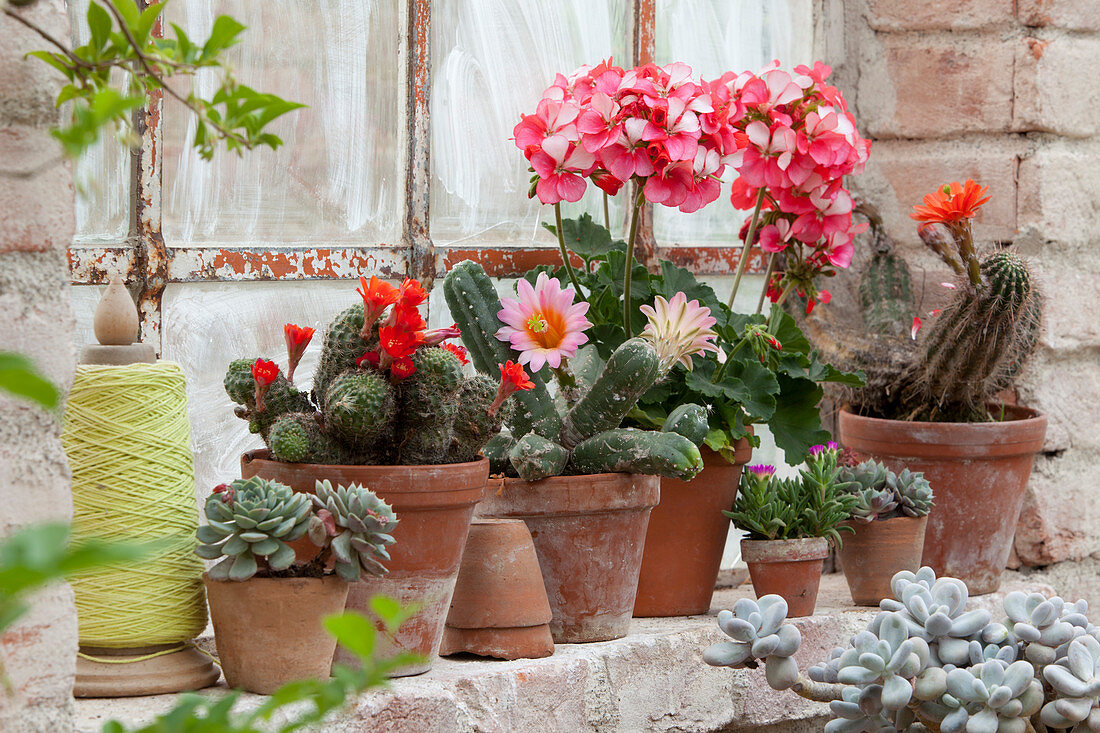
{"x":779,"y":303}
{"x":567,"y":382}
{"x":721,"y":370}
{"x":638,"y":202}
{"x":606,"y":214}
{"x":767,"y":279}
{"x":747,"y":248}
{"x":565,"y":253}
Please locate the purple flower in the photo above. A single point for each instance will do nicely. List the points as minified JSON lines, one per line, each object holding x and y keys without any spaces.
{"x":816,"y":450}
{"x":832,"y":445}
{"x":761,"y":470}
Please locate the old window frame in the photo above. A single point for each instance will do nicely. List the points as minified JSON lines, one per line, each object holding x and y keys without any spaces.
{"x":149,"y":265}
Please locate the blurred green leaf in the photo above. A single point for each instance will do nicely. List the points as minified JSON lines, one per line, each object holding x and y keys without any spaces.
{"x":19,"y":377}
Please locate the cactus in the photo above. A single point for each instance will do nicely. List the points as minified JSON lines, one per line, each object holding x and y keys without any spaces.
{"x":886,"y":294}
{"x":882,"y":494}
{"x":375,"y":402}
{"x":688,"y":420}
{"x":251,"y":522}
{"x":355,"y":526}
{"x":928,"y":659}
{"x":585,"y":437}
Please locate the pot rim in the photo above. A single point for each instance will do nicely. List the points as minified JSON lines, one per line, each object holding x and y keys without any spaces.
{"x":793,"y":550}
{"x":1019,"y":436}
{"x":326,"y":578}
{"x":558,"y":496}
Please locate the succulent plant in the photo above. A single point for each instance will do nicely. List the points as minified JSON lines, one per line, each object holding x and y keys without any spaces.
{"x":882,"y":494}
{"x":758,"y":632}
{"x":355,"y":525}
{"x":1076,"y":679}
{"x":913,"y":492}
{"x":388,"y":393}
{"x":579,"y":432}
{"x":250,"y":522}
{"x":990,"y":697}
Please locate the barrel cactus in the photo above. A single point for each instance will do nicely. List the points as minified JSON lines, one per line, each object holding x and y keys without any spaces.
{"x":929,"y":659}
{"x":354,"y":525}
{"x":579,"y":431}
{"x":387,"y":390}
{"x":250,"y":522}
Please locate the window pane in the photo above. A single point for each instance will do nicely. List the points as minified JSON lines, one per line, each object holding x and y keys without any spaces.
{"x":491,"y":61}
{"x":715,"y":36}
{"x":102,"y":174}
{"x":338,"y":175}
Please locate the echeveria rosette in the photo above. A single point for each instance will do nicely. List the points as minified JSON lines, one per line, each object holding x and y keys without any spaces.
{"x":355,"y":525}
{"x":679,"y":329}
{"x":991,"y":697}
{"x":1045,"y":625}
{"x":890,"y":659}
{"x":543,"y":323}
{"x":759,"y":631}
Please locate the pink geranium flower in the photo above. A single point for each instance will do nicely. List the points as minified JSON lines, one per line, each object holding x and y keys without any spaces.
{"x":561,"y":167}
{"x":543,"y":323}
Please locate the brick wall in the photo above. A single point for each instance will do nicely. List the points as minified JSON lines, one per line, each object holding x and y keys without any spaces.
{"x":1001,"y":91}
{"x":36,"y":225}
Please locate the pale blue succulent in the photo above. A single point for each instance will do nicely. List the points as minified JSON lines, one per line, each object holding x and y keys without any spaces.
{"x":935,"y":610}
{"x":1046,"y":625}
{"x":758,"y":632}
{"x":991,"y":697}
{"x":890,"y":659}
{"x":1076,"y":679}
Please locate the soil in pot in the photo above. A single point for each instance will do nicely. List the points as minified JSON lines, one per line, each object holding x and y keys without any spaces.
{"x":979,"y":473}
{"x":268,"y":630}
{"x":687,"y":534}
{"x":434,"y":505}
{"x":788,"y":568}
{"x":589,"y":532}
{"x":876,"y":552}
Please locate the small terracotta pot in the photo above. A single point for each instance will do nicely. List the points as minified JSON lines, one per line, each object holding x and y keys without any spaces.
{"x":268,"y":630}
{"x":686,"y":537}
{"x":876,"y":552}
{"x":499,"y":608}
{"x":434,"y":505}
{"x":978,"y":472}
{"x":789,"y":568}
{"x":589,"y":532}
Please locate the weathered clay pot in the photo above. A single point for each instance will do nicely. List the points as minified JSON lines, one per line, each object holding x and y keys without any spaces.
{"x":687,"y":534}
{"x":434,"y":505}
{"x":876,"y":552}
{"x":589,"y":532}
{"x":978,"y":472}
{"x":789,"y":568}
{"x":499,"y":608}
{"x":268,"y":630}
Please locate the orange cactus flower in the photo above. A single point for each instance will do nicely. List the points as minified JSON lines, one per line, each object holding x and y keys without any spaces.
{"x":512,"y":380}
{"x":412,"y":293}
{"x":402,"y":368}
{"x":951,"y":203}
{"x":297,"y":340}
{"x":263,"y":373}
{"x":377,"y":296}
{"x":399,"y":343}
{"x":459,"y":351}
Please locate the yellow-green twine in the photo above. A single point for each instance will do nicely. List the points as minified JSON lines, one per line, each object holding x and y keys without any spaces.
{"x":128,"y":442}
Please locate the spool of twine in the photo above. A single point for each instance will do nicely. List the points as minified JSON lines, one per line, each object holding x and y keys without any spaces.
{"x":128,"y":441}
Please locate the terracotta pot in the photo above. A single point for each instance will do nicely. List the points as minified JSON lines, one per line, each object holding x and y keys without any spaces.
{"x":589,"y":532}
{"x":687,"y":534}
{"x":978,"y":472}
{"x":789,"y":568}
{"x":434,"y":505}
{"x":499,"y":608}
{"x":268,"y":630}
{"x":876,"y":552}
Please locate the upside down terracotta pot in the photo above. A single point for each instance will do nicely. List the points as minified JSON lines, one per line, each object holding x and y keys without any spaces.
{"x":268,"y":630}
{"x":978,"y":473}
{"x":686,"y":537}
{"x":589,"y":532}
{"x":876,"y":552}
{"x":499,"y":608}
{"x":434,"y":505}
{"x":788,"y":568}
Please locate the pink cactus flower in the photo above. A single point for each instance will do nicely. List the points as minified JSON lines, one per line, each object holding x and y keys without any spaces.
{"x":543,"y":323}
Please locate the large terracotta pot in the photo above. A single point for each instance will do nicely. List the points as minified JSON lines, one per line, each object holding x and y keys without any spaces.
{"x":788,"y":568}
{"x":687,"y":535}
{"x":876,"y":552}
{"x":589,"y":532}
{"x":434,"y":505}
{"x":978,"y":472}
{"x":268,"y":630}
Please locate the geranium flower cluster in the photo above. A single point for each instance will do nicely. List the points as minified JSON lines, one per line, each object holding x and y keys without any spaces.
{"x":403,"y":330}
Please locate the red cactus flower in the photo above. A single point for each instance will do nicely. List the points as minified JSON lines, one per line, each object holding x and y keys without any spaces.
{"x":405,"y":317}
{"x":412,"y":293}
{"x":459,"y":351}
{"x":377,"y":296}
{"x":398,"y":342}
{"x":371,"y":357}
{"x":402,"y":368}
{"x":263,"y":373}
{"x":512,"y":379}
{"x":951,"y":203}
{"x":297,"y":340}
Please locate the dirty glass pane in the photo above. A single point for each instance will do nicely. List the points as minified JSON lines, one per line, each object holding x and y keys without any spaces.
{"x":338,"y":178}
{"x":491,"y":61}
{"x":715,"y":36}
{"x":101,"y":176}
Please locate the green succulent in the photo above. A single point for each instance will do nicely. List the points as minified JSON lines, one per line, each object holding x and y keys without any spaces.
{"x":250,"y":521}
{"x":867,"y":483}
{"x":355,"y":525}
{"x":913,"y":492}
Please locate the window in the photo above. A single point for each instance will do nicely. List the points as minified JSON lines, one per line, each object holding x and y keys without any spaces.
{"x":400,"y":165}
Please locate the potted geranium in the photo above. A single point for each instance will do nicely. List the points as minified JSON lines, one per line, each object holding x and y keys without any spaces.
{"x":932,"y":402}
{"x":888,"y":520}
{"x":390,"y":409}
{"x":673,"y":138}
{"x":266,"y":604}
{"x":791,"y":523}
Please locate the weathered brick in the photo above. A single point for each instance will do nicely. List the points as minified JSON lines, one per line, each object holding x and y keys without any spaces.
{"x":1059,"y":192}
{"x":915,"y":87}
{"x":1073,"y":14}
{"x":1059,"y":520}
{"x":36,"y":192}
{"x":30,"y":86}
{"x":900,"y":173}
{"x":891,"y":15}
{"x":1049,"y":93}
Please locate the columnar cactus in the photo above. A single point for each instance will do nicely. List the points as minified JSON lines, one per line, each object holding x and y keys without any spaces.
{"x":926,"y":658}
{"x":581,"y":434}
{"x":386,"y":391}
